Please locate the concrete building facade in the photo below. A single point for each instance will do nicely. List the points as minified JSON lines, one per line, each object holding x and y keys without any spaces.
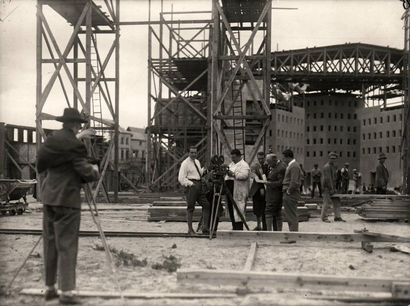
{"x":381,"y":132}
{"x":286,"y":131}
{"x":332,"y":125}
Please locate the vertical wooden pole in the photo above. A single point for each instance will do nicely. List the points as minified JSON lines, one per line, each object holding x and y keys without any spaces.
{"x":117,"y":98}
{"x":88,"y":60}
{"x":39,"y":56}
{"x":75,"y":71}
{"x":214,"y":76}
{"x":2,"y":149}
{"x":149,"y":144}
{"x":268,"y":68}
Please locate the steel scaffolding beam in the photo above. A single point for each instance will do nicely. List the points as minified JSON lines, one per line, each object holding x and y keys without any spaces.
{"x":87,"y":21}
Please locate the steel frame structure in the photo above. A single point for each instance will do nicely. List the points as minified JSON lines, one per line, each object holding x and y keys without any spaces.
{"x":88,"y":21}
{"x":177,"y":94}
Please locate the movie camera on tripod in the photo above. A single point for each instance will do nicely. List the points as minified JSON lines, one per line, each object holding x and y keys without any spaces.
{"x":218,"y":169}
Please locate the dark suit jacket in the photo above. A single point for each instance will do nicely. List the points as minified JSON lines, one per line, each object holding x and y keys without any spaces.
{"x":382,"y":176}
{"x":274,"y":186}
{"x":63,"y":160}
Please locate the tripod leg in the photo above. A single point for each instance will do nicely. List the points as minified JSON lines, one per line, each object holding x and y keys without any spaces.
{"x":214,"y":220}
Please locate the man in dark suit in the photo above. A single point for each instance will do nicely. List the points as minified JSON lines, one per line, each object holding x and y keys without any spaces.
{"x":382,"y":175}
{"x":62,"y":161}
{"x":274,"y":194}
{"x":291,"y":189}
{"x":257,"y":191}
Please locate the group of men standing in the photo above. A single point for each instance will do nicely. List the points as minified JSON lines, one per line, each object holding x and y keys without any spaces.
{"x":274,"y":184}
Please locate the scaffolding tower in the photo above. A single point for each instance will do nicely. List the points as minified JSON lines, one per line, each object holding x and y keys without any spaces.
{"x":406,"y":86}
{"x":91,"y":71}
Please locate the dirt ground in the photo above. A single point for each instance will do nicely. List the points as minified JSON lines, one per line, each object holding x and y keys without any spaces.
{"x":344,"y":259}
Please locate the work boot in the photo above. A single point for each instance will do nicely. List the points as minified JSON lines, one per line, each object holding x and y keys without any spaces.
{"x":69,"y":300}
{"x":50,"y":294}
{"x":339,"y":219}
{"x":326,"y":220}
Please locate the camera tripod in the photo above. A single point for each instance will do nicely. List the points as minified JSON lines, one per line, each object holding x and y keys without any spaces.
{"x":218,"y":188}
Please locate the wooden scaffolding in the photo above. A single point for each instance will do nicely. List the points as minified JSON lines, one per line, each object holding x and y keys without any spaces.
{"x":91,"y":70}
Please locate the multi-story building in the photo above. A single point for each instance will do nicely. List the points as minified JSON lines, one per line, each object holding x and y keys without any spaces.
{"x":286,"y":130}
{"x":381,"y":132}
{"x":331,"y":124}
{"x":138,"y":143}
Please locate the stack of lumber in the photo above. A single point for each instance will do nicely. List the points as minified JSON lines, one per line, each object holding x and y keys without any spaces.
{"x":174,"y":213}
{"x":386,"y":209}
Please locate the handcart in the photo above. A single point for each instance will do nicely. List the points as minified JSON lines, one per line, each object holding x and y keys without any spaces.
{"x":11,"y":193}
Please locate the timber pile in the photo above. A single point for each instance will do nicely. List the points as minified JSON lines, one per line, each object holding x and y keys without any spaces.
{"x":386,"y":209}
{"x":178,"y":213}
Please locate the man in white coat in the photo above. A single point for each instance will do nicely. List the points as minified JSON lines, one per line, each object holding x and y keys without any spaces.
{"x":237,"y":181}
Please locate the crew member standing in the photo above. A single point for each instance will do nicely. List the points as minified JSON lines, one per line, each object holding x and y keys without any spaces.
{"x":237,"y":181}
{"x":291,"y":189}
{"x":63,"y":164}
{"x":189,"y":176}
{"x":276,"y":173}
{"x":316,"y":178}
{"x":329,"y":188}
{"x":345,"y":177}
{"x":382,"y":175}
{"x":257,"y":191}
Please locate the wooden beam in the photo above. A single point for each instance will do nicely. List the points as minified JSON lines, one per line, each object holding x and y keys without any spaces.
{"x":251,"y":257}
{"x":285,"y":280}
{"x":136,"y":295}
{"x":157,"y":22}
{"x":310,"y":236}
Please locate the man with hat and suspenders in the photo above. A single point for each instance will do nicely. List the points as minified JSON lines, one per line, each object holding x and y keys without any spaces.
{"x":382,"y":175}
{"x":329,"y":188}
{"x":64,"y":166}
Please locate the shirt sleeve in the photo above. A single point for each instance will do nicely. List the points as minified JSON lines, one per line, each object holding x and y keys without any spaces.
{"x":85,"y":170}
{"x":182,"y":176}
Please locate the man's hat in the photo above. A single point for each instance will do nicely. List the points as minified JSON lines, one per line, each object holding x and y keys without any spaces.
{"x":382,"y":156}
{"x":346,"y":164}
{"x":332,"y":155}
{"x":71,"y":115}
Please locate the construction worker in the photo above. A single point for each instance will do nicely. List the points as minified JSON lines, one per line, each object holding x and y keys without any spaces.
{"x":329,"y":188}
{"x":345,"y":176}
{"x":357,"y":178}
{"x":189,"y":176}
{"x":257,"y":191}
{"x":62,"y":161}
{"x":382,"y":175}
{"x":316,"y":180}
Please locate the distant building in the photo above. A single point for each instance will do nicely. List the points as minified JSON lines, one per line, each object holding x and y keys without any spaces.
{"x":138,"y":143}
{"x":286,"y":131}
{"x":381,"y":132}
{"x":124,"y":147}
{"x":332,"y":124}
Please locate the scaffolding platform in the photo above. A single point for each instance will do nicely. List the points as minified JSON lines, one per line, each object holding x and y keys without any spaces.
{"x":71,"y":11}
{"x":243,"y":10}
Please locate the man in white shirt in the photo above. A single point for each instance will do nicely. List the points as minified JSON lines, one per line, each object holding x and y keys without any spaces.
{"x":190,"y":177}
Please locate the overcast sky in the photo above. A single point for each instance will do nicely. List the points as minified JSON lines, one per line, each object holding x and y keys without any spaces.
{"x":315,"y":23}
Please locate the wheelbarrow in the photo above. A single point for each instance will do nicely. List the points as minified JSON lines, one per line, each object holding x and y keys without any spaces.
{"x":11,"y":193}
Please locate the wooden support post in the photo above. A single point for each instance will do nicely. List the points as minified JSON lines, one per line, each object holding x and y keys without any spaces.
{"x":39,"y":92}
{"x":117,"y":98}
{"x":2,"y":149}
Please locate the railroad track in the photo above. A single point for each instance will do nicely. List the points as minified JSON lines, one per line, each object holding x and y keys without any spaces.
{"x":107,"y":234}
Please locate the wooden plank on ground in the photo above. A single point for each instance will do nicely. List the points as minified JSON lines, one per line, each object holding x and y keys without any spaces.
{"x":311,"y":236}
{"x":136,"y":295}
{"x":250,"y":260}
{"x":271,"y":280}
{"x":400,"y":248}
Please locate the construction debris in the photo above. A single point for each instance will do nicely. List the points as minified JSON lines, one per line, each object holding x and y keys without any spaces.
{"x":385,"y":209}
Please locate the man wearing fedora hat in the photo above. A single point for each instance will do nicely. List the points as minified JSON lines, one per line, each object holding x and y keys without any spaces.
{"x":329,"y":188}
{"x":382,"y":175}
{"x":63,"y":164}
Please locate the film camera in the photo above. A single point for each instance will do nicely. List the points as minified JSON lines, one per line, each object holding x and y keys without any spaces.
{"x":218,"y":169}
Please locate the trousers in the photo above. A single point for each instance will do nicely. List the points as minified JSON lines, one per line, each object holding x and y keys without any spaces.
{"x":194,"y":194}
{"x":327,"y":201}
{"x":61,"y":226}
{"x":290,"y":204}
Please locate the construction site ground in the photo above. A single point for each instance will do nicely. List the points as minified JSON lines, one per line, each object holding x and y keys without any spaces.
{"x":325,"y":258}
